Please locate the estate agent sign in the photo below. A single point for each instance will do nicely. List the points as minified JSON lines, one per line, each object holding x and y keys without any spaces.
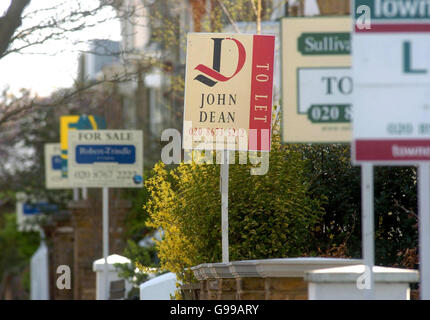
{"x":391,"y":70}
{"x":316,"y":79}
{"x":76,"y":122}
{"x":53,"y":176}
{"x":228,"y":91}
{"x":105,"y":158}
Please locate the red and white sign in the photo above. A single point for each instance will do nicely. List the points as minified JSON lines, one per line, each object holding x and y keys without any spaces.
{"x":391,"y":71}
{"x":228,"y":92}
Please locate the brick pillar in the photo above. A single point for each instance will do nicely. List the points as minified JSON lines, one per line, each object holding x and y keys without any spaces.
{"x":204,"y":290}
{"x":212,"y":289}
{"x":88,"y":245}
{"x":227,"y":289}
{"x":59,"y":239}
{"x":63,"y":255}
{"x":119,"y":210}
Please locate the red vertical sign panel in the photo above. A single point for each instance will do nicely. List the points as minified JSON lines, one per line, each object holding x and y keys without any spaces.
{"x":260,"y":118}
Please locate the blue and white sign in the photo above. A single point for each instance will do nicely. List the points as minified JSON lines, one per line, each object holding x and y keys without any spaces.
{"x":53,"y":161}
{"x":39,"y":207}
{"x":56,"y":162}
{"x":122,"y":154}
{"x":29,"y":211}
{"x":105,"y":158}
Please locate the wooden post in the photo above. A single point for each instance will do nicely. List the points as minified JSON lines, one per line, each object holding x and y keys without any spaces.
{"x":259,"y":17}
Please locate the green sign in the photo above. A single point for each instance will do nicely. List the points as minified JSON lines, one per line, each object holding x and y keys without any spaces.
{"x":395,"y":9}
{"x":325,"y":113}
{"x":325,"y":43}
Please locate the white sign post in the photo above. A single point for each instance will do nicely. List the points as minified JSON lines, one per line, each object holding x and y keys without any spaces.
{"x":424,"y":228}
{"x":224,"y":206}
{"x":105,"y":158}
{"x":367,"y":229}
{"x":391,"y":111}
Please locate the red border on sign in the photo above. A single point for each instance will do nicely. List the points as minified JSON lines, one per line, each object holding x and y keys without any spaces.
{"x":260,"y":117}
{"x":399,"y":27}
{"x":392,"y":150}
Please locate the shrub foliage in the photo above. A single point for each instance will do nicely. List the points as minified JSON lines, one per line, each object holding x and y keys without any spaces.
{"x":270,"y":216}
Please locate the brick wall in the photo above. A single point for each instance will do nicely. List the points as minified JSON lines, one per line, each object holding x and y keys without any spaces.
{"x":88,"y":247}
{"x":59,"y":239}
{"x":254,"y":288}
{"x":270,"y":279}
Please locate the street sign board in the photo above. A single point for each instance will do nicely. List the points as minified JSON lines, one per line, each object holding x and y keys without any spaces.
{"x":105,"y":158}
{"x":228,"y":91}
{"x":316,"y":79}
{"x":76,"y":122}
{"x":29,"y":211}
{"x":38,"y":208}
{"x":53,"y":162}
{"x":391,"y":69}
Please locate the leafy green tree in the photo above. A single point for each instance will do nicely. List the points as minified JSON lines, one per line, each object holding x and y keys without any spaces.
{"x":16,"y":249}
{"x":333,"y":178}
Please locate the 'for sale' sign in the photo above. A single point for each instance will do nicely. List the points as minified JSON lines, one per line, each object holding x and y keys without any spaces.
{"x":105,"y":158}
{"x":228,"y":91}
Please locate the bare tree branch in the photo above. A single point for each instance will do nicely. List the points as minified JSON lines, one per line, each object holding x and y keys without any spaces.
{"x":236,"y":28}
{"x":10,"y":22}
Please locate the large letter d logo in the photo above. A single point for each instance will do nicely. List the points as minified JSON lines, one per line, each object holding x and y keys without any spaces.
{"x":214,"y":72}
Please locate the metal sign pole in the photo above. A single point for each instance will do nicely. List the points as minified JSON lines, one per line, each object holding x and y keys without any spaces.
{"x":106,"y":240}
{"x":367,"y":229}
{"x":224,"y":206}
{"x":75,"y":194}
{"x":84,"y":193}
{"x":424,"y":228}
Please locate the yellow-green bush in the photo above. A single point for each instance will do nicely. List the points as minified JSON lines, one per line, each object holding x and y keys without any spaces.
{"x":270,"y":216}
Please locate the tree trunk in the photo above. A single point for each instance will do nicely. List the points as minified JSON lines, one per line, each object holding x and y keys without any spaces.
{"x":10,"y":22}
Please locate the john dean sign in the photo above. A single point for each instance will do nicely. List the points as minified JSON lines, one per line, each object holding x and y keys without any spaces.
{"x":228,"y":91}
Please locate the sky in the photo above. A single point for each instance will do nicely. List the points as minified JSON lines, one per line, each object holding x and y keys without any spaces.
{"x":55,"y":64}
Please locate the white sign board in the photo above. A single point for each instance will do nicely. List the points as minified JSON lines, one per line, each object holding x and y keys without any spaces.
{"x":228,"y":91}
{"x":329,"y":86}
{"x":29,"y":211}
{"x":53,"y":176}
{"x":105,"y":158}
{"x":391,"y":70}
{"x":316,"y":79}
